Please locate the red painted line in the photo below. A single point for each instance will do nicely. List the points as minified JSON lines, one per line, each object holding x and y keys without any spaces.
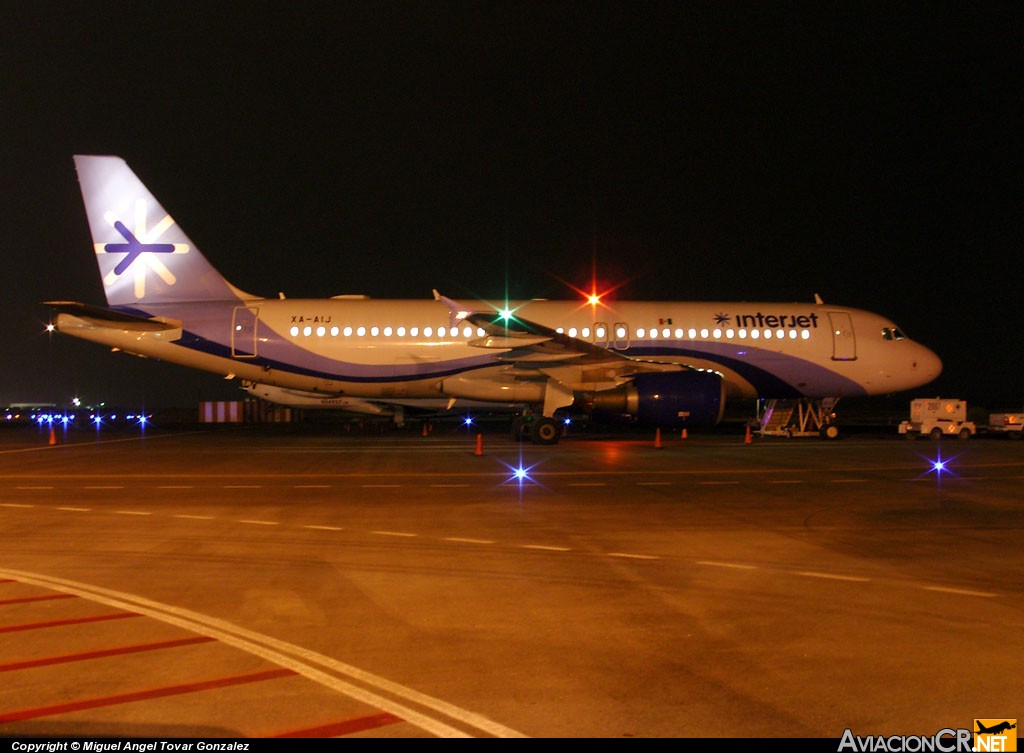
{"x":27,"y":599}
{"x":348,"y":727}
{"x":72,"y":621}
{"x":143,"y":695}
{"x":103,"y":653}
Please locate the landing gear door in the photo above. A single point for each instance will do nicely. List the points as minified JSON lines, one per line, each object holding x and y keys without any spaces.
{"x":844,"y":344}
{"x":243,"y":332}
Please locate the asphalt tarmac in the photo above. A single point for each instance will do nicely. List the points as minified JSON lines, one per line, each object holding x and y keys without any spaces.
{"x":277,"y":580}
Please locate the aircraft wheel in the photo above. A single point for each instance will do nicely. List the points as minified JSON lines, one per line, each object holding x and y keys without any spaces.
{"x":545,"y":431}
{"x":830,"y":432}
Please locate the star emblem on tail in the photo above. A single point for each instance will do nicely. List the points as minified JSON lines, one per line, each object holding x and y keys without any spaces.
{"x":139,"y":249}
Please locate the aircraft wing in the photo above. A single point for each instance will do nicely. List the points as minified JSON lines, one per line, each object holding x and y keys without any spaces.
{"x":530,"y":341}
{"x":536,"y":351}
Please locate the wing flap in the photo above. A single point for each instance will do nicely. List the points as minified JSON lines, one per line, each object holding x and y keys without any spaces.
{"x":498,"y":342}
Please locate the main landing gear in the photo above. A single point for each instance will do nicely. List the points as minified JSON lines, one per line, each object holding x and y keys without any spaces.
{"x":537,"y":429}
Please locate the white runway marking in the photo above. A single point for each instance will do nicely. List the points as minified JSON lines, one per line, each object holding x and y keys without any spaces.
{"x":732,"y":565}
{"x":373,"y":690}
{"x":830,"y":576}
{"x":960,"y":591}
{"x":626,"y":555}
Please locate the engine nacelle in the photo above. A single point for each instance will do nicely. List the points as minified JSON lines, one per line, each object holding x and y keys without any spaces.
{"x":667,"y":399}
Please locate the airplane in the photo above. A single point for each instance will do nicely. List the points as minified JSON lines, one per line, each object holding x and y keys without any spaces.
{"x":668,"y":364}
{"x":995,"y":729}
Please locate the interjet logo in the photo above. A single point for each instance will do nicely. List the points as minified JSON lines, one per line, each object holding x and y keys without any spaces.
{"x":141,"y":252}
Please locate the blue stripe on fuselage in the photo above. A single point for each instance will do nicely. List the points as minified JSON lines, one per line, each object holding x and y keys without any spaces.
{"x":351,"y":373}
{"x":768,"y":383}
{"x":770,"y":373}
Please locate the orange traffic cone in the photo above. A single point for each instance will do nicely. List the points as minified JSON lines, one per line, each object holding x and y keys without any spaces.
{"x":747,"y":439}
{"x":657,"y":439}
{"x":425,"y":425}
{"x":53,"y":436}
{"x":479,"y":444}
{"x":682,"y":434}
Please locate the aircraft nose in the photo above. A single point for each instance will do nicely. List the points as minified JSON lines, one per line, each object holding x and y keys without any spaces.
{"x":927,"y":364}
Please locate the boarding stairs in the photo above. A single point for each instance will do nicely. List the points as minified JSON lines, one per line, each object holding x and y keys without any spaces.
{"x":797,"y":418}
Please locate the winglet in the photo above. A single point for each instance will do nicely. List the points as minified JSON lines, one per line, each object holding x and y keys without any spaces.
{"x":457,"y":312}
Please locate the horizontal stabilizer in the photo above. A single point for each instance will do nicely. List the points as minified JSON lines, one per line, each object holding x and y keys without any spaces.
{"x":107,"y":318}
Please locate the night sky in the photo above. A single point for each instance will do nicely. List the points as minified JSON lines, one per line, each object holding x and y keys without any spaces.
{"x":692,"y":151}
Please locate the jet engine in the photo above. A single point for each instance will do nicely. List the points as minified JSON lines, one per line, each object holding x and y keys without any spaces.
{"x":666,"y":399}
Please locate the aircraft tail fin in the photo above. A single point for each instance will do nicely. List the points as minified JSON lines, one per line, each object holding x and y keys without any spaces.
{"x":143,"y":255}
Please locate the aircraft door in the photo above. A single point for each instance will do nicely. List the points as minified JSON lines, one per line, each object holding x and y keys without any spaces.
{"x":243,"y":332}
{"x":844,"y":344}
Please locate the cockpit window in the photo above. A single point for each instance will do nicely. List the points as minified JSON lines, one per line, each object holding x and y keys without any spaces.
{"x":892,"y":333}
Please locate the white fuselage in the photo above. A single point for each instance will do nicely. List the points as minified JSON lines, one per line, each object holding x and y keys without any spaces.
{"x":383,"y":349}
